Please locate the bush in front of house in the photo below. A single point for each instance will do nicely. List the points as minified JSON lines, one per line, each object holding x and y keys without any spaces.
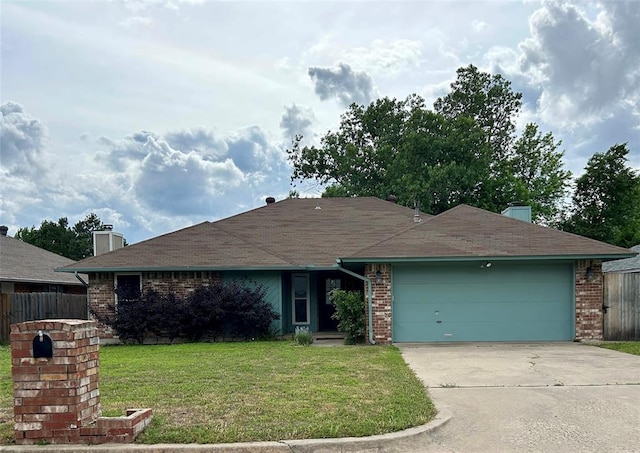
{"x":349,"y":314}
{"x":302,"y":336}
{"x":219,"y":310}
{"x":228,"y":310}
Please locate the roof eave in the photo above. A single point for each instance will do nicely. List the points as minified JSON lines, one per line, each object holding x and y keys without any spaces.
{"x":36,"y":281}
{"x":480,"y":258}
{"x":307,"y":267}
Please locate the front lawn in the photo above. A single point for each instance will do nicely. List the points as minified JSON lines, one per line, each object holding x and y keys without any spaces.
{"x":237,"y":392}
{"x":630,"y":347}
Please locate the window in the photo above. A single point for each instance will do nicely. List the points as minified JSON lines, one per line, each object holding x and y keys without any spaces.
{"x":127,"y":286}
{"x":300,"y":298}
{"x":331,"y":284}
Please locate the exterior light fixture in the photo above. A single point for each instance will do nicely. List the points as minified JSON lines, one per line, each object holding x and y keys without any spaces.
{"x":485,"y":264}
{"x":589,"y":273}
{"x":378,"y":276}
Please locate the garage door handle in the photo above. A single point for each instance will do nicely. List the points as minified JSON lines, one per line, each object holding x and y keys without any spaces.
{"x":439,"y":322}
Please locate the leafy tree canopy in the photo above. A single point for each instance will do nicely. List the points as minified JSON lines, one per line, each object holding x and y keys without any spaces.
{"x":463,"y":151}
{"x":73,"y":242}
{"x":606,"y":201}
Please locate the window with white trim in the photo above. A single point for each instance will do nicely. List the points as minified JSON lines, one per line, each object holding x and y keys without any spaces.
{"x":300,"y":299}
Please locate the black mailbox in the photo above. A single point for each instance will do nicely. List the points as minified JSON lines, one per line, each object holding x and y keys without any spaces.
{"x":42,"y":346}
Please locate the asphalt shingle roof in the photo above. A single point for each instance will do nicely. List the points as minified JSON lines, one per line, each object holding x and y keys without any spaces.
{"x":465,"y":231}
{"x":314,"y":232}
{"x":624,"y":265}
{"x":22,"y":262}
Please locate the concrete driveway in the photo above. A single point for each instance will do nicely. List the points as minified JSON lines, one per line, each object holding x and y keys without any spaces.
{"x":551,"y":397}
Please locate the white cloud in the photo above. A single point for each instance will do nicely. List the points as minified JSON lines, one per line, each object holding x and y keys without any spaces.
{"x":134,"y":21}
{"x":586,"y":67}
{"x":387,"y":57}
{"x":478,"y":25}
{"x":297,"y":120}
{"x":21,"y":140}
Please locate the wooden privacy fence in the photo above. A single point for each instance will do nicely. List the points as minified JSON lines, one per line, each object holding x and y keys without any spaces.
{"x":622,"y":299}
{"x":21,"y":307}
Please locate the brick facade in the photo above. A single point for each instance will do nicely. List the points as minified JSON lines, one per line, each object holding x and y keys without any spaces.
{"x":588,"y":294}
{"x":181,"y":283}
{"x":381,"y":296}
{"x":101,"y":299}
{"x":102,"y":290}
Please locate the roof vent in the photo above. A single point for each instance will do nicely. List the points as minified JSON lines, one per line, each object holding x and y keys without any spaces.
{"x":270,"y":200}
{"x":4,"y":230}
{"x":416,"y":212}
{"x":392,"y":198}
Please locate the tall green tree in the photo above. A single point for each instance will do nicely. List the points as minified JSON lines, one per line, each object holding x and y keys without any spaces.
{"x":606,"y":201}
{"x":463,"y":151}
{"x":488,"y":100}
{"x":534,"y":174}
{"x":401,"y":148}
{"x":58,"y":237}
{"x":526,"y":169}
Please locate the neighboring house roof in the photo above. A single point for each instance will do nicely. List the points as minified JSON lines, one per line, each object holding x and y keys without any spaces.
{"x":314,"y":232}
{"x":22,"y":262}
{"x":625,"y":265}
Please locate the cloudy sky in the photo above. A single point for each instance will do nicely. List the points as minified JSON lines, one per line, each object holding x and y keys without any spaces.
{"x":160,"y":114}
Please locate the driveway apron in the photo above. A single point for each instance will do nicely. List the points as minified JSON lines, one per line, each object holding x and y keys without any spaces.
{"x":547,"y":397}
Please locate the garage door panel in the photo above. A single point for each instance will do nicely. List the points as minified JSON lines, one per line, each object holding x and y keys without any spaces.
{"x":508,"y":302}
{"x":484,"y":311}
{"x":486,"y":292}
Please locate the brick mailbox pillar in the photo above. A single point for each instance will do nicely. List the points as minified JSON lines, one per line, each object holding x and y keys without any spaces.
{"x":55,"y":367}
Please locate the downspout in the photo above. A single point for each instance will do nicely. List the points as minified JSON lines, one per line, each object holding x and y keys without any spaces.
{"x":85,"y":284}
{"x":369,"y":295}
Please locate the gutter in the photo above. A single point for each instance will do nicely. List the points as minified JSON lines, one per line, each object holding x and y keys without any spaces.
{"x":369,"y":295}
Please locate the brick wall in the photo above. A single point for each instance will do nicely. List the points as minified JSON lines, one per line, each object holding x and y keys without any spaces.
{"x":381,"y":297}
{"x":101,"y":299}
{"x":181,"y":283}
{"x":102,"y":295}
{"x":54,"y":397}
{"x":589,"y":294}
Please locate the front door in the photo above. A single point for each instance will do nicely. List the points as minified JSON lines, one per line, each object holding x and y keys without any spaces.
{"x":325,"y":307}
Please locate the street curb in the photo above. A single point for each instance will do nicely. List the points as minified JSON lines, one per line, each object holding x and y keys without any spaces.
{"x":377,"y":443}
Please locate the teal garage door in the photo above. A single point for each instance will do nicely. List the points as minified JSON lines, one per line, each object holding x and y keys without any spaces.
{"x":465,"y":302}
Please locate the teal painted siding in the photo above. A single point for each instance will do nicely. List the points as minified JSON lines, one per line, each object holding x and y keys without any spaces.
{"x":272,"y":282}
{"x":509,"y":301}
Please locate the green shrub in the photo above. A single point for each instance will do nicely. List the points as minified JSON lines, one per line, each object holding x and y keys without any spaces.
{"x":349,"y":314}
{"x":303,"y":336}
{"x":233,"y":310}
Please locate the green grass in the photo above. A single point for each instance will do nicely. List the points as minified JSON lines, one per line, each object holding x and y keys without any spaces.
{"x":6,"y":395}
{"x":236,"y":392}
{"x":630,"y":347}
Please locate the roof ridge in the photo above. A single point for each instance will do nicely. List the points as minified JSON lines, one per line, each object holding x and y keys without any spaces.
{"x":268,"y":251}
{"x":414,"y":225}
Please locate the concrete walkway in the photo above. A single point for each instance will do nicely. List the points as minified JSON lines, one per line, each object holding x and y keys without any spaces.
{"x":529,"y":397}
